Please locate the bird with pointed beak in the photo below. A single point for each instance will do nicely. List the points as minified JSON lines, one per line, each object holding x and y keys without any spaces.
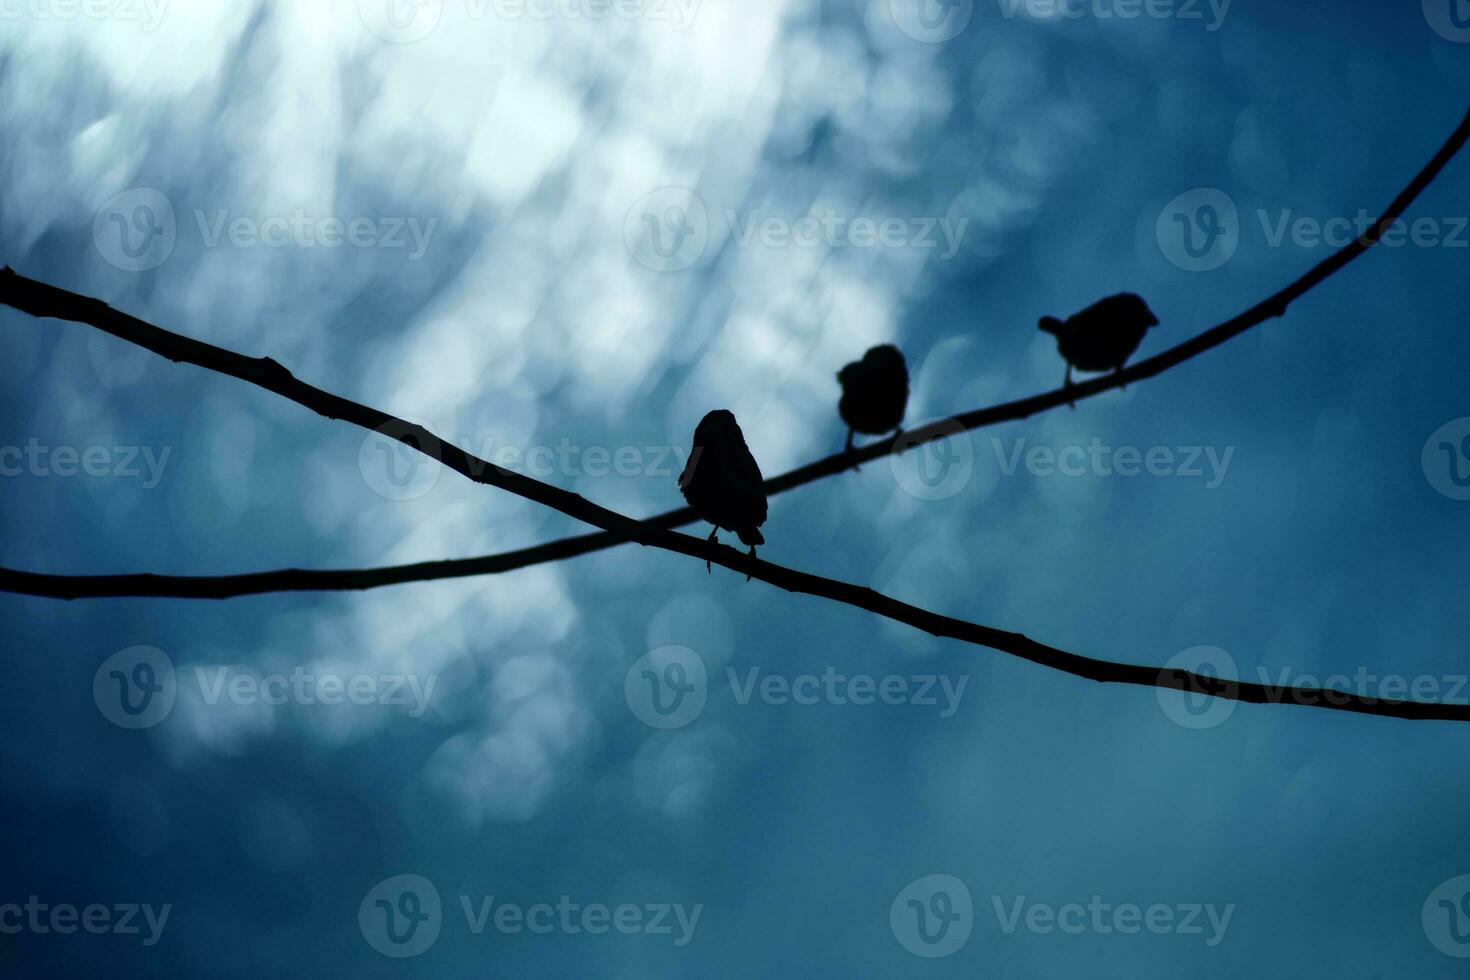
{"x":1103,"y":336}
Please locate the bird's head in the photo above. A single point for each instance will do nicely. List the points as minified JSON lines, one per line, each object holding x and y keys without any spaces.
{"x":883,"y":361}
{"x":717,"y":426}
{"x":885,"y":357}
{"x":1139,"y":310}
{"x":1051,"y":325}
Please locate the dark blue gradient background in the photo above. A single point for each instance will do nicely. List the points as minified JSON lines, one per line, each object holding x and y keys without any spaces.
{"x":1324,"y":549}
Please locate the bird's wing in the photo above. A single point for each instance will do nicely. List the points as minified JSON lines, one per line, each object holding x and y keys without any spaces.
{"x":1125,"y":307}
{"x":743,"y":474}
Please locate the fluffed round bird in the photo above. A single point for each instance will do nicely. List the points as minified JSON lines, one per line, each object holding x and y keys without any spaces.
{"x":875,"y":392}
{"x":1103,"y":336}
{"x":723,"y":482}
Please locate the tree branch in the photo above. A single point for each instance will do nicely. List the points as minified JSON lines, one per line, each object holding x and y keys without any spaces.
{"x":935,"y":624}
{"x":42,"y":300}
{"x":292,"y":580}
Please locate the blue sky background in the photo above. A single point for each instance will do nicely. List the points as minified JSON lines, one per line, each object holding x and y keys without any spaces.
{"x":537,"y":311}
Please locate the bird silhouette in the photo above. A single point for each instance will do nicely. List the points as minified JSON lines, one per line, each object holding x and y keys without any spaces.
{"x":875,"y":392}
{"x":1103,"y":336}
{"x":723,"y":482}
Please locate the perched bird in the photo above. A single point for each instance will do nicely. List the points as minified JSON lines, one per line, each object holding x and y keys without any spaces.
{"x":722,"y":481}
{"x":875,"y":392}
{"x":1103,"y":336}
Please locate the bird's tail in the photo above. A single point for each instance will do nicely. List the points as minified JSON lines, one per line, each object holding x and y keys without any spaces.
{"x":1051,"y":325}
{"x":751,"y":536}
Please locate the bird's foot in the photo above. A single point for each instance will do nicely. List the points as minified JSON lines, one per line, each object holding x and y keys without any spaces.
{"x":848,"y":449}
{"x":713,"y":539}
{"x":752,"y":555}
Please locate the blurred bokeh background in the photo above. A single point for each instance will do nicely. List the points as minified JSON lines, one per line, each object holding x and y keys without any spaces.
{"x":574,"y":232}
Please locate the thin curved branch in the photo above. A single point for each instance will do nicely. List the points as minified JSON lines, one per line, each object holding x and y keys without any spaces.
{"x":1019,"y":645}
{"x":323,"y":580}
{"x":40,"y":299}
